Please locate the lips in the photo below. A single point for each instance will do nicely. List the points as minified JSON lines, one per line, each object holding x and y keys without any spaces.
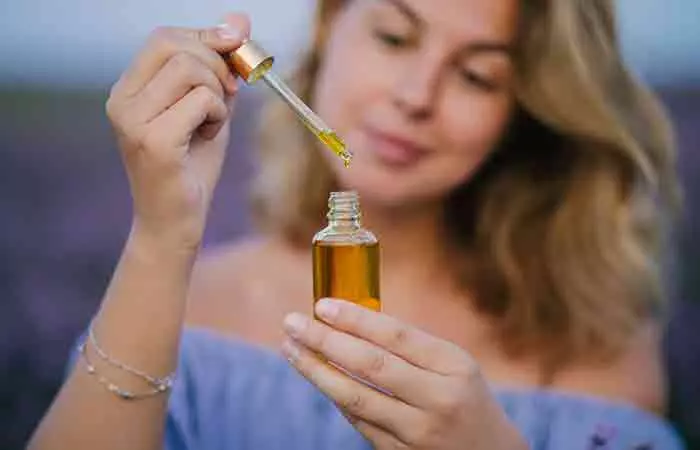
{"x":393,"y":149}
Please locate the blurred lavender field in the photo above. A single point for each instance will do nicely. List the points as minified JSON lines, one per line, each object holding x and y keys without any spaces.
{"x":65,"y":202}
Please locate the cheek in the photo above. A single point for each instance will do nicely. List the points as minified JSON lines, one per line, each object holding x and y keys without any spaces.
{"x":471,"y":130}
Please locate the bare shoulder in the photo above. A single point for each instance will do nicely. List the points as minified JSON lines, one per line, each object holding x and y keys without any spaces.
{"x":636,"y":376}
{"x":245,"y":288}
{"x":223,"y":284}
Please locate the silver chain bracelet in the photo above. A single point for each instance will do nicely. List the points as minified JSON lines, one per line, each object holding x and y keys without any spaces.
{"x":112,"y":387}
{"x":162,"y":384}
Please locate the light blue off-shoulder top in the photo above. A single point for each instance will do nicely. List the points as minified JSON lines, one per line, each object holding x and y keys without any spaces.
{"x":231,"y":395}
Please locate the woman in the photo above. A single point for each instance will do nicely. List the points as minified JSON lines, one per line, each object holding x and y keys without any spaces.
{"x":511,"y":167}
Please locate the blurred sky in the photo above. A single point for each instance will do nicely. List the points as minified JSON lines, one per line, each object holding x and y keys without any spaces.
{"x":89,"y":42}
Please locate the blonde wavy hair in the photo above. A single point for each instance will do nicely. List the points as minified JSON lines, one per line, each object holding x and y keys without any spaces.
{"x":560,"y":228}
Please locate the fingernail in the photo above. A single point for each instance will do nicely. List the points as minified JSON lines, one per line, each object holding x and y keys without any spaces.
{"x":327,"y":309}
{"x":290,"y":350}
{"x":229,"y":32}
{"x":294,"y":324}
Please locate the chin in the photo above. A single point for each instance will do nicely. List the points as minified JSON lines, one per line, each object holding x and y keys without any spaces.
{"x":386,"y":192}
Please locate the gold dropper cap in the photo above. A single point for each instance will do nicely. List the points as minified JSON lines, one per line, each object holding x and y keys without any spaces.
{"x":252,"y":63}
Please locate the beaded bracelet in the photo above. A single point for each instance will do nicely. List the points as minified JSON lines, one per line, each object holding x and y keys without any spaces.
{"x":112,"y":387}
{"x":162,"y":383}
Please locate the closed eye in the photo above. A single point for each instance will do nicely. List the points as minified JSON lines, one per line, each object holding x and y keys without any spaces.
{"x":391,"y":39}
{"x":474,"y":79}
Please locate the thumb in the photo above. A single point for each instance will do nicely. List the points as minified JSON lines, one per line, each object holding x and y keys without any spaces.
{"x":225,"y":37}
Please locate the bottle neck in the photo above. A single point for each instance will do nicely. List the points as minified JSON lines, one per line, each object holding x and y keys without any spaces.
{"x":344,"y":210}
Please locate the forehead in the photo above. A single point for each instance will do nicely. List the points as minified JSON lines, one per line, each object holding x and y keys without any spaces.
{"x":462,"y":19}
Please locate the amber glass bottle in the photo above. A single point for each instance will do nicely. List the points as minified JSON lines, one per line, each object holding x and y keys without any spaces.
{"x":346,"y":255}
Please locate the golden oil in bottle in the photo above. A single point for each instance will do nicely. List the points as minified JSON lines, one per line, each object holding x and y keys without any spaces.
{"x":346,"y":256}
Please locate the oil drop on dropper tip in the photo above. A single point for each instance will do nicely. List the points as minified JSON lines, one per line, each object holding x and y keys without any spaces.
{"x":252,"y":63}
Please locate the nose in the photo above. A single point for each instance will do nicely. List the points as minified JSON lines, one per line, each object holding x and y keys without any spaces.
{"x":416,"y":90}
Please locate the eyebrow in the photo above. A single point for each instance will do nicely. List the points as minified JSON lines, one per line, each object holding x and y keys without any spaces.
{"x":408,"y":12}
{"x":473,"y":48}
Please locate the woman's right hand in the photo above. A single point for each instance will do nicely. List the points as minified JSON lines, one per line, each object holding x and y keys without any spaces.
{"x":170,"y":111}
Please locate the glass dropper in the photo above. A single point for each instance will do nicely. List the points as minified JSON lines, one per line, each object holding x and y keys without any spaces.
{"x":252,"y":62}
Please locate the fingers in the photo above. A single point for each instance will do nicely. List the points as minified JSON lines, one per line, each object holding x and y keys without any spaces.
{"x":351,"y":396}
{"x":175,"y":127}
{"x":365,"y":360}
{"x":413,"y":345}
{"x":181,"y":73}
{"x":204,"y":44}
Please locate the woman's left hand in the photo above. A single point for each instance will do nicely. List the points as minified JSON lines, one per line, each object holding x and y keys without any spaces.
{"x":431,"y":394}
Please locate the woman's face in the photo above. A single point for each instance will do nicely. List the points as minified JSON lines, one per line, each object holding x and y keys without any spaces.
{"x":419,"y":90}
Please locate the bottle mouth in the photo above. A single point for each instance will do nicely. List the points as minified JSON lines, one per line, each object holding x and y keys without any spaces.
{"x":344,"y":195}
{"x":344,"y":205}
